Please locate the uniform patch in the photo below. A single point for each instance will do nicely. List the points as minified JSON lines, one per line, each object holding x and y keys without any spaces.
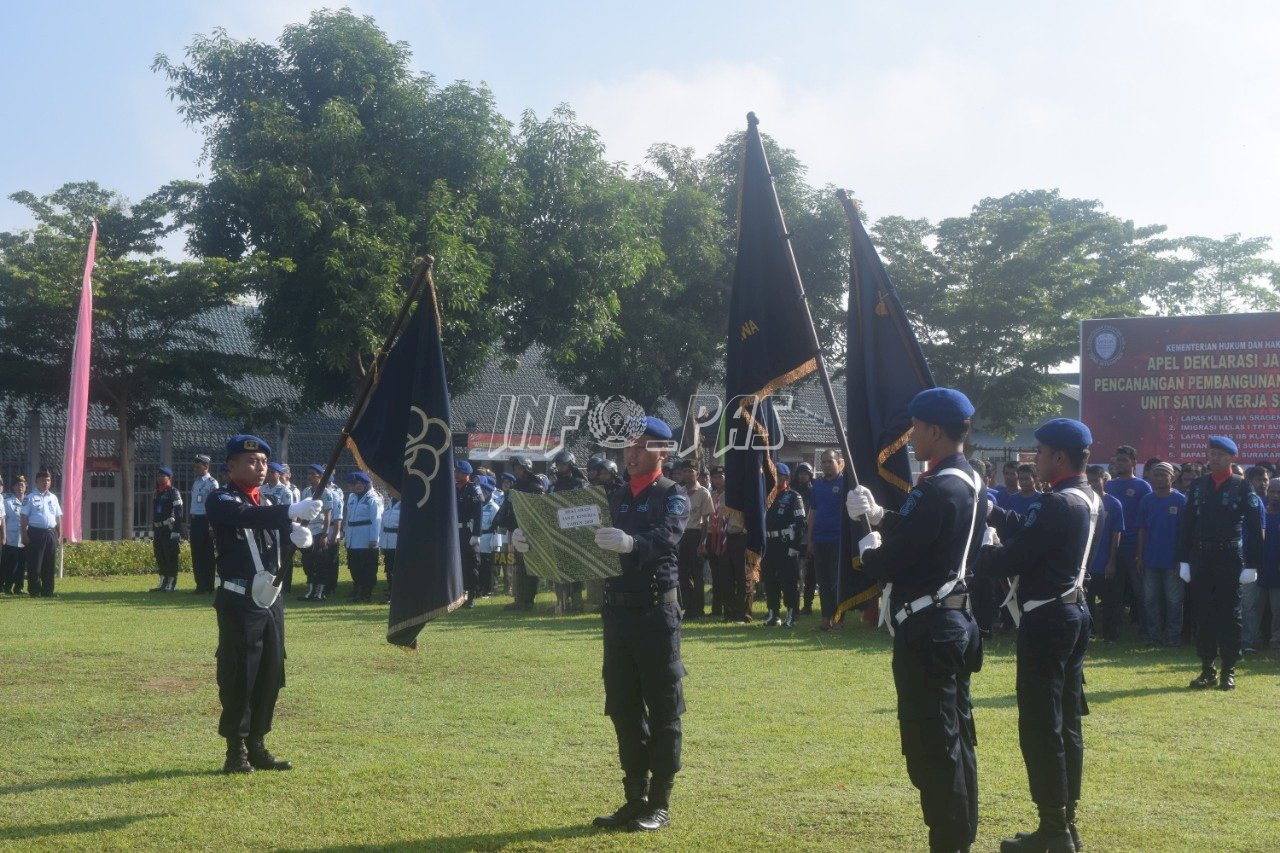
{"x":677,"y":505}
{"x":226,"y":497}
{"x":910,"y":503}
{"x":1033,"y":512}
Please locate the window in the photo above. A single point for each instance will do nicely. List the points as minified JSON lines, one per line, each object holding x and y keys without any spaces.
{"x":102,"y":520}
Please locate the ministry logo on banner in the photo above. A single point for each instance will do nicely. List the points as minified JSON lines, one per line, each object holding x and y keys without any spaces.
{"x":1105,"y":346}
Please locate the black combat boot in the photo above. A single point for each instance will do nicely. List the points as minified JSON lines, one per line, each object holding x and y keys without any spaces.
{"x":790,"y":621}
{"x":1208,"y":678}
{"x":1051,"y":837}
{"x":1071,"y":826}
{"x":657,"y":815}
{"x":771,"y":619}
{"x":237,"y":757}
{"x":637,"y":792}
{"x":262,"y":759}
{"x":1228,"y":681}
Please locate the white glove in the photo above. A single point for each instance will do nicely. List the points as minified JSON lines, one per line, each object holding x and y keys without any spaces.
{"x":519,"y":541}
{"x":869,"y":542}
{"x":305,"y":510}
{"x":475,"y":541}
{"x":301,"y":536}
{"x":793,"y":552}
{"x":990,"y":537}
{"x":613,"y":539}
{"x":1248,"y":576}
{"x":264,"y":589}
{"x":175,"y":536}
{"x":1184,"y":572}
{"x":860,"y":502}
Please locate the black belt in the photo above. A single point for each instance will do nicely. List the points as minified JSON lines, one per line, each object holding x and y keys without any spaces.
{"x":1218,"y":545}
{"x":640,"y":599}
{"x":390,"y":529}
{"x":359,"y":523}
{"x":1076,"y":596}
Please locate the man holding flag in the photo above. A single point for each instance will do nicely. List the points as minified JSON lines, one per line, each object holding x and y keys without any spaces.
{"x":920,"y":553}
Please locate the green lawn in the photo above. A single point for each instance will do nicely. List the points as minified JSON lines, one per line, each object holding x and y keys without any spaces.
{"x":492,"y":737}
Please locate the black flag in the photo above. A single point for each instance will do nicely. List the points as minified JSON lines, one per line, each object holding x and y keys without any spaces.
{"x":885,"y":369}
{"x":403,"y":438}
{"x":771,"y":343}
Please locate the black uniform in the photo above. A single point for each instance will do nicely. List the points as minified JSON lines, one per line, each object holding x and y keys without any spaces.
{"x":166,"y":536}
{"x":641,"y":615}
{"x":784,"y":538}
{"x":1046,"y":551}
{"x":809,"y":581}
{"x":1209,"y":538}
{"x":936,"y":647}
{"x":250,"y":637}
{"x":470,"y":505}
{"x":525,"y":586}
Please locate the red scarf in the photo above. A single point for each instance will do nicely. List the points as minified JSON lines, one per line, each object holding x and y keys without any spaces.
{"x":251,"y":491}
{"x":642,"y":482}
{"x":1219,"y":478}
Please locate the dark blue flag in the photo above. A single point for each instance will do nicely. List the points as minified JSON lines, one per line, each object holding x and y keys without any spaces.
{"x":885,"y":370}
{"x":771,"y":344}
{"x":403,"y":439}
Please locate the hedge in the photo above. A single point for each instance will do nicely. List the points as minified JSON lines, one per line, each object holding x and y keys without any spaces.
{"x":132,"y":557}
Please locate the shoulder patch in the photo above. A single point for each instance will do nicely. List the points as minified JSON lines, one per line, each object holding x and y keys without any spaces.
{"x":677,"y":505}
{"x":228,"y":497}
{"x":1033,"y":512}
{"x":910,"y":503}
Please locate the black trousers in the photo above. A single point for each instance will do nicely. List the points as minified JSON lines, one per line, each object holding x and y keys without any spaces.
{"x":332,"y":555}
{"x":934,"y":654}
{"x":42,"y":557}
{"x":165,"y":549}
{"x":525,"y":585}
{"x":202,"y":559}
{"x":13,"y":561}
{"x":486,"y":575}
{"x":643,"y":694}
{"x":250,"y":663}
{"x":315,"y":563}
{"x":1115,"y":592}
{"x":1052,"y":640}
{"x":389,"y":562}
{"x":692,"y":591}
{"x":781,"y":575}
{"x":1215,"y":605}
{"x":720,"y":581}
{"x":470,"y":565}
{"x":363,"y":565}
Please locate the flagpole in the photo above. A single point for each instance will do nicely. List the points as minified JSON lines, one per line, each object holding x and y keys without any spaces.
{"x":824,"y":378}
{"x":423,"y":274}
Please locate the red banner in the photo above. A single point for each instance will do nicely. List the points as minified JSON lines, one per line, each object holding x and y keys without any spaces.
{"x":1165,"y":384}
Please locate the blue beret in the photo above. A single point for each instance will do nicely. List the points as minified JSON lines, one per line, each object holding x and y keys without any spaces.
{"x":940,"y":406}
{"x":200,"y":457}
{"x":276,"y":466}
{"x":1064,"y":434}
{"x":1221,"y":442}
{"x":782,"y":469}
{"x":317,"y":469}
{"x":657,"y":428}
{"x":168,"y":472}
{"x":247,"y":444}
{"x":488,"y":482}
{"x":359,"y":477}
{"x":464,"y":466}
{"x":507,"y":475}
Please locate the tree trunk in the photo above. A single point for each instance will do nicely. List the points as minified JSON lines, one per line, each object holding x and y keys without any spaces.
{"x":126,"y":467}
{"x":691,"y":434}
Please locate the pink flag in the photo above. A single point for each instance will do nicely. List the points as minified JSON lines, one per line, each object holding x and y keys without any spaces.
{"x":78,"y":404}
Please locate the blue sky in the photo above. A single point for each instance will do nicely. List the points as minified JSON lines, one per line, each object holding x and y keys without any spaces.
{"x":1166,"y":112}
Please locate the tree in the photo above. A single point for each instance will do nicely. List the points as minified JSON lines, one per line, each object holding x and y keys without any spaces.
{"x":1218,"y":277}
{"x":151,"y":355}
{"x":997,"y":296}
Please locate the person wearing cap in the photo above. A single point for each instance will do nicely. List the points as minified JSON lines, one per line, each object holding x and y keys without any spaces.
{"x":363,"y":524}
{"x":166,"y":529}
{"x":1222,"y":516}
{"x":12,"y":554}
{"x":1158,"y":515}
{"x":823,"y":527}
{"x":802,"y":484}
{"x":524,"y":587}
{"x":278,"y":490}
{"x":388,"y":536}
{"x":315,"y":557}
{"x":41,"y":516}
{"x":1045,"y":554}
{"x":607,"y":476}
{"x":202,"y":558}
{"x":692,"y":553}
{"x":470,"y":502}
{"x":644,"y":696}
{"x":487,"y":546}
{"x":780,"y":564}
{"x":249,"y":530}
{"x":336,"y":533}
{"x":1106,"y":539}
{"x":1128,"y":488}
{"x":921,"y":553}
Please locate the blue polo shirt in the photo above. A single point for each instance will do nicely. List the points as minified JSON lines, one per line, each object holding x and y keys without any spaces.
{"x":1129,"y":491}
{"x":827,"y":499}
{"x":1110,"y":522}
{"x":1016,"y":501}
{"x":1158,"y":518}
{"x":1269,"y":573}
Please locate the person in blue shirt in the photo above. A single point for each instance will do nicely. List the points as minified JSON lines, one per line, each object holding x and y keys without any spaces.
{"x":13,"y":556}
{"x":362,"y":524}
{"x":1269,"y":575}
{"x":1251,"y":595}
{"x":1106,"y":539}
{"x":388,"y":536}
{"x":1129,"y":489}
{"x":41,"y":518}
{"x":1020,"y":499}
{"x":1158,"y":515}
{"x":1009,"y":473}
{"x":826,"y":517}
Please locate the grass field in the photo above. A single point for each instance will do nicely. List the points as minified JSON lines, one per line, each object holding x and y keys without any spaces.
{"x":492,"y":737}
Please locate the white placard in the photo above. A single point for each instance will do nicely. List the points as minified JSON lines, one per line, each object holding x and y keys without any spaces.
{"x":571,"y":517}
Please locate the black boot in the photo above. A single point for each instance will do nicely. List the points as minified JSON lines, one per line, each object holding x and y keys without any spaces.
{"x":164,"y":585}
{"x":1228,"y":681}
{"x":637,"y":791}
{"x":1208,"y":678}
{"x":1051,"y":837}
{"x":237,"y":757}
{"x":658,"y":814}
{"x":1071,"y":826}
{"x":260,"y":758}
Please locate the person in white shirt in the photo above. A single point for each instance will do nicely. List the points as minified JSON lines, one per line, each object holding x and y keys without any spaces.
{"x":41,"y":514}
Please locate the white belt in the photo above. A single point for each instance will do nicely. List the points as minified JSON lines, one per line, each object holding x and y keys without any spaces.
{"x":1011,"y":600}
{"x":235,"y":587}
